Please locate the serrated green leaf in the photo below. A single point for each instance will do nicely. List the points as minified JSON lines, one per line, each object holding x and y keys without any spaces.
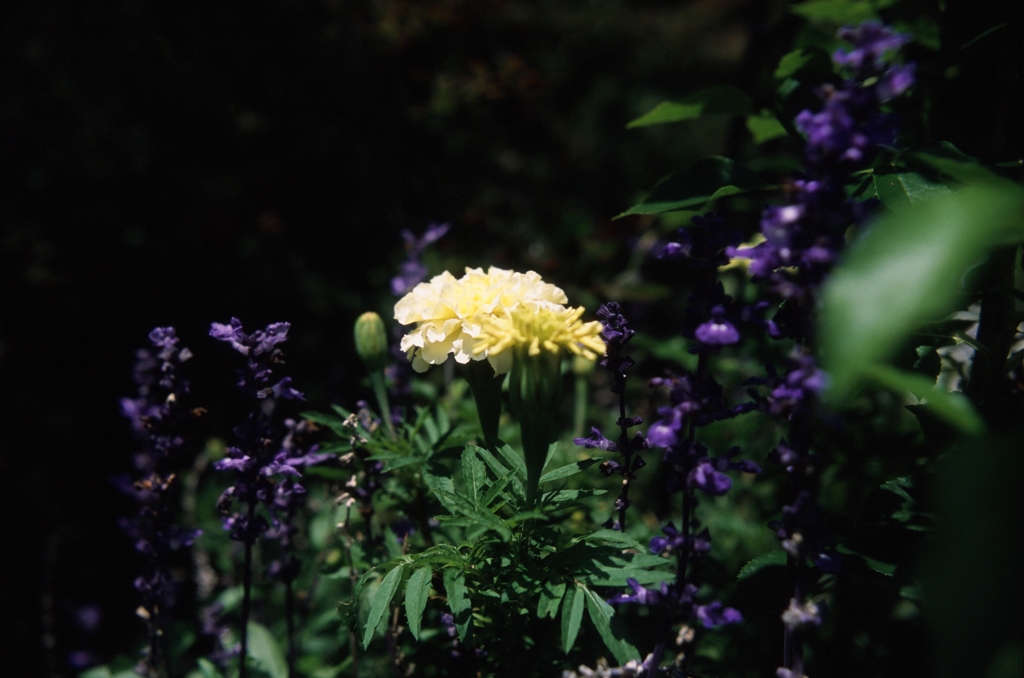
{"x":417,"y":590}
{"x":900,"y":187}
{"x":569,"y":470}
{"x":610,"y":627}
{"x":572,"y":616}
{"x":701,"y":183}
{"x":912,"y":259}
{"x":439,"y":479}
{"x":770,"y":559}
{"x":265,"y":652}
{"x":550,"y":598}
{"x":722,"y":99}
{"x":955,"y":408}
{"x":765,"y":126}
{"x":458,"y":601}
{"x":381,"y":600}
{"x":474,"y":476}
{"x":503,"y":471}
{"x":513,"y":460}
{"x":569,"y":496}
{"x":497,"y":489}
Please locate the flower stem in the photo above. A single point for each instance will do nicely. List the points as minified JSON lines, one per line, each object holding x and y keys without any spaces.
{"x":246,"y":596}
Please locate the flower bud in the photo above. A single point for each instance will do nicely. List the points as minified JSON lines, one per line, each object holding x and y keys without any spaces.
{"x":371,"y":341}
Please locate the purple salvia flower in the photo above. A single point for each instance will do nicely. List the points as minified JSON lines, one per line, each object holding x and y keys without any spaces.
{"x":412,"y":272}
{"x":718,"y":331}
{"x":715,"y":614}
{"x":156,"y":414}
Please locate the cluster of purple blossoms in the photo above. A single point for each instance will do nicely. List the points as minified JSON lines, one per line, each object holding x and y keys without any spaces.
{"x":616,"y":335}
{"x":413,"y":271}
{"x":156,"y":415}
{"x":843,"y":137}
{"x":289,"y":496}
{"x":253,"y":456}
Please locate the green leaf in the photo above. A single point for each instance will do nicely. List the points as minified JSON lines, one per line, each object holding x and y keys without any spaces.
{"x":955,"y":408}
{"x":381,"y":601}
{"x":458,"y":601}
{"x":615,"y":537}
{"x":502,"y":472}
{"x":810,"y":59}
{"x":701,"y":183}
{"x":836,"y":12}
{"x":888,"y":569}
{"x":722,"y":99}
{"x":952,"y":162}
{"x":770,"y":559}
{"x":474,"y":475}
{"x":912,"y":259}
{"x":439,"y":479}
{"x":206,"y":667}
{"x":570,"y":470}
{"x":610,"y":627}
{"x":765,"y":126}
{"x":513,"y":459}
{"x":550,"y":597}
{"x":901,"y":187}
{"x":265,"y":651}
{"x":572,"y":616}
{"x":417,"y":590}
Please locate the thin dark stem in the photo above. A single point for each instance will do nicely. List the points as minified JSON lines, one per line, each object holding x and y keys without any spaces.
{"x":289,"y":602}
{"x":626,"y":448}
{"x":246,"y":596}
{"x":353,"y":642}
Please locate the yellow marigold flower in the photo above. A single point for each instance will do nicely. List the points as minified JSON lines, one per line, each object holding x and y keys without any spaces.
{"x":449,"y":313}
{"x":539,"y":329}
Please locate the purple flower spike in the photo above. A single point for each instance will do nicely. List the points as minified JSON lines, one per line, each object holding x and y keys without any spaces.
{"x":709,"y":480}
{"x":596,"y":441}
{"x":715,"y":614}
{"x":231,"y":333}
{"x":718,"y":331}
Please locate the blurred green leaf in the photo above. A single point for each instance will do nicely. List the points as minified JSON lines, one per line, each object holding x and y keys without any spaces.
{"x":881,"y":567}
{"x":955,"y":408}
{"x":610,"y":627}
{"x":264,"y":650}
{"x":765,"y":126}
{"x":208,"y":668}
{"x":417,"y":590}
{"x":911,"y":261}
{"x":704,"y":181}
{"x":770,"y":559}
{"x":811,"y":59}
{"x":836,"y":12}
{"x":572,"y":616}
{"x":900,"y":187}
{"x":381,"y":600}
{"x":722,"y":99}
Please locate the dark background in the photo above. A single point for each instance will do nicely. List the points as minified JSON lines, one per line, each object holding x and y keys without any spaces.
{"x":182,"y":163}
